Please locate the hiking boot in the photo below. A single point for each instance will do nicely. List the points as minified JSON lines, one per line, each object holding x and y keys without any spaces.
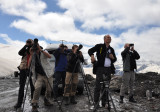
{"x":131,"y":99}
{"x":72,"y":100}
{"x":121,"y":99}
{"x":47,"y":102}
{"x":66,"y":100}
{"x":104,"y":104}
{"x":17,"y":105}
{"x":34,"y":107}
{"x":96,"y":105}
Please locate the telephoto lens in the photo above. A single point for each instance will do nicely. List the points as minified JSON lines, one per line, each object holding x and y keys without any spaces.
{"x":35,"y":44}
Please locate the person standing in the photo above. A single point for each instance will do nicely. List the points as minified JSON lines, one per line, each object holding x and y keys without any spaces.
{"x":72,"y":70}
{"x":129,"y":57}
{"x":60,"y":68}
{"x":105,"y":59}
{"x":43,"y":75}
{"x":24,"y":52}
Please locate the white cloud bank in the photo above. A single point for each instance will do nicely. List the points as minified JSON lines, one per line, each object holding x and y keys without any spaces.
{"x":133,"y":17}
{"x":112,"y":13}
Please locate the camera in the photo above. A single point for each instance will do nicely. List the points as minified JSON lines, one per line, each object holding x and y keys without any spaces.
{"x":107,"y":54}
{"x":130,"y":45}
{"x":106,"y":80}
{"x":16,"y":74}
{"x":79,"y":48}
{"x":106,"y":77}
{"x":34,"y":47}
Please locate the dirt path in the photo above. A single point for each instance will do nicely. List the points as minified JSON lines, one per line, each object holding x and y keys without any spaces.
{"x":9,"y":93}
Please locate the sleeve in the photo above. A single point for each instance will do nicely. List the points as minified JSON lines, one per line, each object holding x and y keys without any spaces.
{"x":136,"y":55}
{"x":22,"y":51}
{"x":44,"y":56}
{"x":123,"y":53}
{"x":93,"y":50}
{"x":115,"y":58}
{"x":81,"y":57}
{"x":57,"y":53}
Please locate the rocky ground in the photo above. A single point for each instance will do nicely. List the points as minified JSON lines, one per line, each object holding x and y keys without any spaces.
{"x":148,"y":81}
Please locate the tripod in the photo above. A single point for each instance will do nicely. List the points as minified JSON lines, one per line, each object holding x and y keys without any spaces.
{"x":33,"y":62}
{"x":90,"y":98}
{"x":78,"y":62}
{"x":106,"y":91}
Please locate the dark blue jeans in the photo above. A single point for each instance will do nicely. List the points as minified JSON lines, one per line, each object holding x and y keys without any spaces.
{"x":59,"y":76}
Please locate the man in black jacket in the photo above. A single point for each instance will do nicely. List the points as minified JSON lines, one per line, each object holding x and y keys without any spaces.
{"x":129,"y":55}
{"x":72,"y":70}
{"x":24,"y":52}
{"x":105,"y":59}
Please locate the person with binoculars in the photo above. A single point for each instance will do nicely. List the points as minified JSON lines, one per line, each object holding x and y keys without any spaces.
{"x":129,"y":57}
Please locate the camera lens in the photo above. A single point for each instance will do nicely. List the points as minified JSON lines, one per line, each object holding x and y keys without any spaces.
{"x":35,"y":41}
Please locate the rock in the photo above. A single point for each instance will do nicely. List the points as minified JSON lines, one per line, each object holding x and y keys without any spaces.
{"x":89,"y":77}
{"x":115,"y":83}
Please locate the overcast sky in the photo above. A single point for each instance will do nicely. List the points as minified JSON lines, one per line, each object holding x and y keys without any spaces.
{"x":85,"y":22}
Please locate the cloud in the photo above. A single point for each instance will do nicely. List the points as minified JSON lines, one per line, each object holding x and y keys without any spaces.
{"x":52,"y":26}
{"x":22,"y":7}
{"x":112,"y":13}
{"x":146,"y":43}
{"x":10,"y":41}
{"x":19,"y":44}
{"x":137,"y":18}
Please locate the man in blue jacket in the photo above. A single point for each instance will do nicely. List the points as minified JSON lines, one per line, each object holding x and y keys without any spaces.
{"x":60,"y":67}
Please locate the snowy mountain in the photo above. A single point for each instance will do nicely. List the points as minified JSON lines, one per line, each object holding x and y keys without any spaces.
{"x":9,"y":59}
{"x":142,"y":67}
